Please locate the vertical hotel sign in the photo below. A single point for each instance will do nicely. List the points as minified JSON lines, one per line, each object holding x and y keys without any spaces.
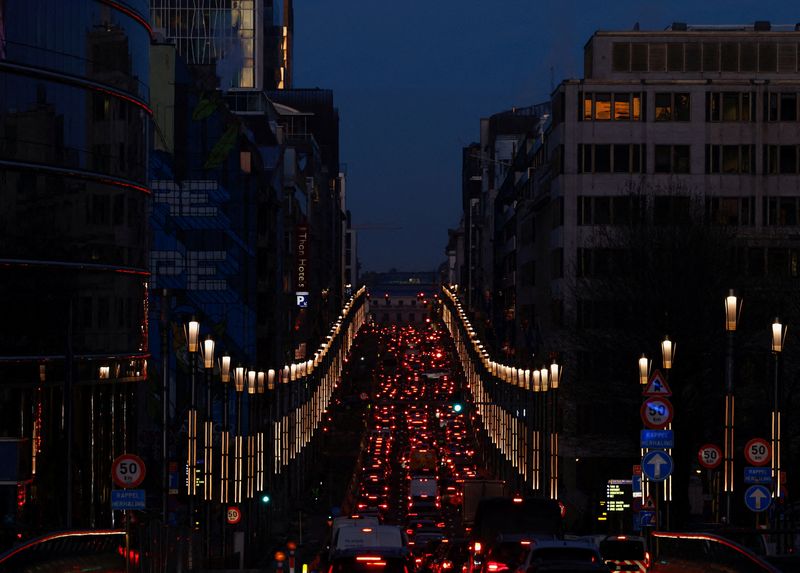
{"x":301,"y":246}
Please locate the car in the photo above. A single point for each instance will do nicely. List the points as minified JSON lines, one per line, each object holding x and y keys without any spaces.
{"x":562,"y":555}
{"x":676,"y":552}
{"x":625,"y":553}
{"x":369,"y":560}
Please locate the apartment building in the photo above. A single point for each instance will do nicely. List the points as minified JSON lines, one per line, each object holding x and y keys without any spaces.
{"x":666,"y":175}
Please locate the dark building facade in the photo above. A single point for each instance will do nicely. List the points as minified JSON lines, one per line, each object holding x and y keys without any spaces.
{"x":74,"y":124}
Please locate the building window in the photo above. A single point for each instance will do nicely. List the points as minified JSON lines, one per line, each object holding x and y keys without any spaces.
{"x":608,"y":210}
{"x":617,"y":158}
{"x":672,"y":159}
{"x":729,"y":159}
{"x":602,"y":106}
{"x":557,"y":263}
{"x":730,"y":211}
{"x":730,"y":106}
{"x":780,"y":211}
{"x":672,"y":210}
{"x":781,"y":106}
{"x":672,"y":107}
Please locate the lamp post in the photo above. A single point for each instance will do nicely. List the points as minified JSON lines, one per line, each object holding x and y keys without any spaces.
{"x":208,"y":443}
{"x":667,"y":357}
{"x":644,"y":365}
{"x":778,"y":340}
{"x":536,"y":387}
{"x":556,"y":371}
{"x":192,"y":332}
{"x":544,"y":384}
{"x":225,"y":443}
{"x":733,"y":307}
{"x":252,"y":376}
{"x":238,"y":381}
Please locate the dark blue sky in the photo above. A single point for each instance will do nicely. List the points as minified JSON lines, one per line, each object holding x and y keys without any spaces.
{"x":412,"y":80}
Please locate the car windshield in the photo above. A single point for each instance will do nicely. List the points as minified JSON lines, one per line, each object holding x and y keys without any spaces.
{"x":622,"y":549}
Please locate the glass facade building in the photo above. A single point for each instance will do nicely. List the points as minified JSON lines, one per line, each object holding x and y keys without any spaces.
{"x":74,"y":134}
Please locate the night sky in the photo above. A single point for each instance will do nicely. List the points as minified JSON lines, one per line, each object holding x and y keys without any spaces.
{"x":412,"y":80}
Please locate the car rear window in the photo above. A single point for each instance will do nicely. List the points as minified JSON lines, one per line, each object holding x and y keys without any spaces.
{"x":563,"y":554}
{"x":620,"y":549}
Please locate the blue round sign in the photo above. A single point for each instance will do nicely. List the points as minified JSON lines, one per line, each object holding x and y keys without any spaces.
{"x":657,"y":465}
{"x":757,"y":498}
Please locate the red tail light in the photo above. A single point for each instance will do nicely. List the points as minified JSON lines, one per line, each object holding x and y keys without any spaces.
{"x":647,"y":559}
{"x":495,"y":566}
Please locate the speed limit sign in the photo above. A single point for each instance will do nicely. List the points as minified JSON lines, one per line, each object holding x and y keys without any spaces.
{"x":709,"y":456}
{"x":757,"y":452}
{"x":656,"y":412}
{"x":233,"y":515}
{"x":128,"y":470}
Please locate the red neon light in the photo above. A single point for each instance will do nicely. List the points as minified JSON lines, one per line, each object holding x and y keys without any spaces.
{"x":135,"y":15}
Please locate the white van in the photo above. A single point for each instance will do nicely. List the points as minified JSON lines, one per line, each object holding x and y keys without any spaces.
{"x":348,"y":537}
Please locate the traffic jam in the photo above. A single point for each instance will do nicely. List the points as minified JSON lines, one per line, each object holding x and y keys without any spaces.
{"x":417,"y":453}
{"x":421,"y":500}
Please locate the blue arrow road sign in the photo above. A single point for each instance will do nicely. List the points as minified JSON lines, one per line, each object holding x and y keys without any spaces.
{"x":647,"y":519}
{"x":122,"y":499}
{"x":657,"y":439}
{"x":757,"y":498}
{"x":757,"y":475}
{"x":636,"y":484}
{"x":657,"y":465}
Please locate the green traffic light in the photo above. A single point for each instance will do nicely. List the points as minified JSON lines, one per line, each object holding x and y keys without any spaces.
{"x":265,"y":498}
{"x":457,"y":408}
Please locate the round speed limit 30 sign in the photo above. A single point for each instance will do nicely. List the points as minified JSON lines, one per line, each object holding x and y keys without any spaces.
{"x":128,"y":470}
{"x":757,"y":452}
{"x":656,"y":412}
{"x":709,"y":456}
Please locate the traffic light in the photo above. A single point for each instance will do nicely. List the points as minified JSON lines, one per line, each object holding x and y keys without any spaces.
{"x":457,"y":401}
{"x":265,"y":499}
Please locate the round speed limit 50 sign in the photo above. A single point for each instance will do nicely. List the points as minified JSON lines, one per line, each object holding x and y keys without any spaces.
{"x":128,"y":470}
{"x":757,"y":452}
{"x":656,"y":412}
{"x":709,"y":456}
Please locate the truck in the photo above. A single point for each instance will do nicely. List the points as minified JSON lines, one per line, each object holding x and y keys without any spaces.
{"x":422,"y":460}
{"x":476,"y":490}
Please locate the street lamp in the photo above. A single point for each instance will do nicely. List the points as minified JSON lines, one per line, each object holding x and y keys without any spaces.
{"x":225,"y":442}
{"x":555,"y":380}
{"x":238,"y":381}
{"x":544,"y":385}
{"x":208,"y":443}
{"x":208,"y":424}
{"x":251,"y":455}
{"x":644,"y":370}
{"x":191,"y":340}
{"x":733,"y":307}
{"x":225,"y":445}
{"x":667,"y":357}
{"x":778,"y":341}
